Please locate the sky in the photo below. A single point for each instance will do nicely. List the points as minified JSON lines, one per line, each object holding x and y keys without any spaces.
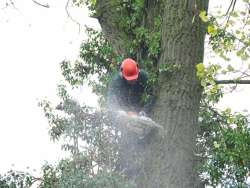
{"x":33,"y":41}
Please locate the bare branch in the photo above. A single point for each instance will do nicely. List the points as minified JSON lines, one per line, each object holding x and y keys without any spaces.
{"x":216,"y":113}
{"x":10,"y":3}
{"x":6,"y":5}
{"x":67,"y":11}
{"x":232,"y":81}
{"x":228,"y":13}
{"x":231,"y":4}
{"x":42,"y":5}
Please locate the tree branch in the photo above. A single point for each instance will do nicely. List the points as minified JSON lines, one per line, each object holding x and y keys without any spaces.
{"x":109,"y":17}
{"x":10,"y":3}
{"x":231,"y":4}
{"x":216,"y":113}
{"x":42,"y":5}
{"x":232,"y":81}
{"x":234,"y":3}
{"x":69,"y":15}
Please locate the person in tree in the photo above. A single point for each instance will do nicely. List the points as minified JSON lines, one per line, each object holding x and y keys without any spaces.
{"x":129,"y":90}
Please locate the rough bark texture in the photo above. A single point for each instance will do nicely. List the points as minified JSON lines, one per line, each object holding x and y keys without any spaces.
{"x":108,"y":17}
{"x":166,"y":159}
{"x":178,"y":97}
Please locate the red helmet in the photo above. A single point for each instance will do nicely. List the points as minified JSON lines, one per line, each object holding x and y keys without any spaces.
{"x":129,"y":69}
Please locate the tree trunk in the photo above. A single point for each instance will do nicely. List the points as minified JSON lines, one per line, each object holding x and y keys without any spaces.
{"x":178,"y":100}
{"x":167,"y":158}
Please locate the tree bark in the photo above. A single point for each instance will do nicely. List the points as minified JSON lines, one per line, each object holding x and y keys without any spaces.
{"x":108,"y":15}
{"x":179,"y":96}
{"x":166,"y":159}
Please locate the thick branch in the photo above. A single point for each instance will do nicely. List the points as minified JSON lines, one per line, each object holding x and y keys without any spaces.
{"x":111,"y":14}
{"x":109,"y":17}
{"x":232,"y":81}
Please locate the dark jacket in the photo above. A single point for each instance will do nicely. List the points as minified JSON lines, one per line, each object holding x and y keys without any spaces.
{"x":129,"y":97}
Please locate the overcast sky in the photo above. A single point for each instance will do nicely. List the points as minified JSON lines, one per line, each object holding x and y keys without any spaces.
{"x":33,"y":41}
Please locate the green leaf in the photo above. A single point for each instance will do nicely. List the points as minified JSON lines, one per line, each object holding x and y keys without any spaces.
{"x":234,"y":14}
{"x":93,"y":2}
{"x":216,"y":145}
{"x":200,"y":70}
{"x":203,"y":16}
{"x":211,"y":29}
{"x":230,"y":68}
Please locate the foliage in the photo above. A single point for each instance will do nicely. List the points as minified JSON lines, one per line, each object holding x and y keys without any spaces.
{"x":226,"y":140}
{"x":97,"y":64}
{"x":229,"y":33}
{"x":225,"y":136}
{"x":66,"y":174}
{"x":212,"y":92}
{"x":16,"y":179}
{"x":84,"y":131}
{"x":91,"y":140}
{"x":89,"y":3}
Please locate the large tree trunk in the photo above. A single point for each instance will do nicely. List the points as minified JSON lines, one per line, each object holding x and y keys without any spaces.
{"x":167,"y":159}
{"x":178,"y":98}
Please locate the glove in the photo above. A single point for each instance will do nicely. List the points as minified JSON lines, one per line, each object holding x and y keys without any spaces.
{"x":142,"y":113}
{"x":130,"y":113}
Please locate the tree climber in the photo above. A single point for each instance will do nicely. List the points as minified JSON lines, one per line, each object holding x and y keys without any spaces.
{"x":128,"y":89}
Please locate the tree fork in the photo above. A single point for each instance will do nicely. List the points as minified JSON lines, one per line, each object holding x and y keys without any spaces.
{"x":109,"y":18}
